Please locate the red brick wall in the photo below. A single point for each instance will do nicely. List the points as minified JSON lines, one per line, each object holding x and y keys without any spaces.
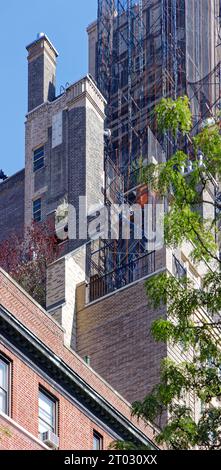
{"x":25,"y":390}
{"x":15,"y":439}
{"x":75,"y":428}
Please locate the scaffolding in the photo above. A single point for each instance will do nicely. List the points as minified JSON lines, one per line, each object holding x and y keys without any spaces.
{"x":110,"y":255}
{"x":140,"y":59}
{"x":145,"y":52}
{"x":205,"y":95}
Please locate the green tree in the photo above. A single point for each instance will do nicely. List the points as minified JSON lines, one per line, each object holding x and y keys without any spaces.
{"x":193,"y":317}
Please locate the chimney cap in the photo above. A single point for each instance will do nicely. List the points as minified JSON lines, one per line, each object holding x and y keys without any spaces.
{"x":40,"y":35}
{"x":39,"y":38}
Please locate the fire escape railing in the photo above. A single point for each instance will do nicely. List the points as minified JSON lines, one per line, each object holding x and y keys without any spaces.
{"x":121,"y":276}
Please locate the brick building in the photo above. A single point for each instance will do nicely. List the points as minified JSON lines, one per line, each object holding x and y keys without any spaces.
{"x":48,"y":395}
{"x":64,"y":147}
{"x":101,"y":314}
{"x":64,"y":139}
{"x":12,"y":192}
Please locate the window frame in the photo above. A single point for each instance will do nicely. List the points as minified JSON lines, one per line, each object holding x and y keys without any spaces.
{"x":98,"y":436}
{"x":37,"y":165}
{"x":8,"y":363}
{"x":54,"y":400}
{"x":34,"y":212}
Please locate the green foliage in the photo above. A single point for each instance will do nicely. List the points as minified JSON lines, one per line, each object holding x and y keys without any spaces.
{"x":185,"y":195}
{"x":208,"y":141}
{"x":209,"y":429}
{"x":181,"y":431}
{"x":198,"y":374}
{"x":174,"y":115}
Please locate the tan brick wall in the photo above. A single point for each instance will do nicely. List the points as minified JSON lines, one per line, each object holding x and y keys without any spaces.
{"x":115,"y":333}
{"x":55,"y":282}
{"x":63,"y":276}
{"x":81,"y":94}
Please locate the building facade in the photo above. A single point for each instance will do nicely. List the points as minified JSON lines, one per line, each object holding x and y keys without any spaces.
{"x":142,"y":51}
{"x":64,"y":140}
{"x":138,"y":52}
{"x":12,"y":196}
{"x":49,"y":396}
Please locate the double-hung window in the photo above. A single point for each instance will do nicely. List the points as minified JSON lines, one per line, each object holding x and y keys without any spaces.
{"x":4,"y":385}
{"x":97,"y":441}
{"x":47,"y":412}
{"x":37,"y":210}
{"x":38,"y":158}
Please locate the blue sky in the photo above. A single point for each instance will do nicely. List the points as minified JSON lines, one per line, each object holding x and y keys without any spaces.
{"x":65,"y":22}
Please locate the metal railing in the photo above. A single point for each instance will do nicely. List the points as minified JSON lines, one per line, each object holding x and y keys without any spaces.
{"x":133,"y":179}
{"x":122,"y":276}
{"x":179,"y":271}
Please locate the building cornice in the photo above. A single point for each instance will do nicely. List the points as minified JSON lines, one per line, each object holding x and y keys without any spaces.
{"x":72,"y":94}
{"x":41,"y":38}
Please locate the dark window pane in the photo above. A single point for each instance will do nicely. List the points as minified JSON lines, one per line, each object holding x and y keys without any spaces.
{"x":39,"y":164}
{"x":38,"y":153}
{"x":37,"y":204}
{"x":38,"y":158}
{"x":37,"y":210}
{"x":37,"y":216}
{"x":97,"y":441}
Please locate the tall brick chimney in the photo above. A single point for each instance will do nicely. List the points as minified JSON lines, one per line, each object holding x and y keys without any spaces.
{"x":41,"y":71}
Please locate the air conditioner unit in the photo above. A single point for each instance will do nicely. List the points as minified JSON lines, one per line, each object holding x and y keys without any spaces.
{"x":50,"y":439}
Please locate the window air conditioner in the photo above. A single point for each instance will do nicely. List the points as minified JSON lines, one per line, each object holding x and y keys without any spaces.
{"x":50,"y":439}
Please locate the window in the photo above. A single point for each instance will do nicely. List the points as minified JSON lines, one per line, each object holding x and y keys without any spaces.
{"x":202,"y":407}
{"x":37,"y":210}
{"x":97,"y":441}
{"x":4,"y":385}
{"x":47,"y":412}
{"x":38,"y":158}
